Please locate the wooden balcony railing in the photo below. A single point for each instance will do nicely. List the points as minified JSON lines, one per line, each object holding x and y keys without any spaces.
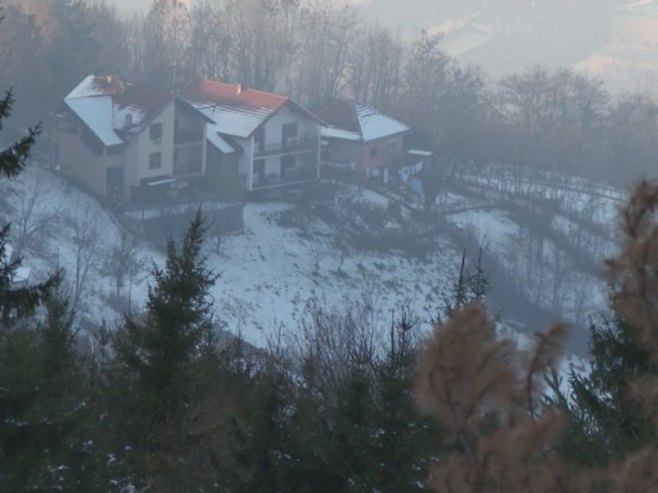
{"x":306,"y":173}
{"x":291,"y":146}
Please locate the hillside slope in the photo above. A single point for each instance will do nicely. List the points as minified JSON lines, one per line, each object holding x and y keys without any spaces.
{"x":352,"y":246}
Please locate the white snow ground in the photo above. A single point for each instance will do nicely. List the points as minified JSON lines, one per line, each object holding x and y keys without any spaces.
{"x":270,"y":273}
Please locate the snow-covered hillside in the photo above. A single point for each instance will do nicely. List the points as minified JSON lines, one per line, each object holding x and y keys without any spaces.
{"x":268,"y":275}
{"x":352,"y":246}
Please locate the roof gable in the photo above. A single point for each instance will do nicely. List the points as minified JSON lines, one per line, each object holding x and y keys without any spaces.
{"x":96,"y":85}
{"x":143,"y":103}
{"x":354,"y":118}
{"x":375,"y":125}
{"x":234,"y":95}
{"x":108,"y":107}
{"x":236,"y":110}
{"x":96,"y":114}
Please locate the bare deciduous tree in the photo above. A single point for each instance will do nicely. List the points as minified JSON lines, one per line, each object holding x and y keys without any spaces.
{"x":327,"y":33}
{"x":166,"y":42}
{"x":263,"y":40}
{"x":122,"y":261}
{"x":375,"y":67}
{"x":36,"y":211}
{"x":210,"y":44}
{"x":86,"y":249}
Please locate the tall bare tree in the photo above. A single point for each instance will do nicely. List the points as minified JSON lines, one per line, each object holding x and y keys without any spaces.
{"x":210,"y":42}
{"x":375,"y":67}
{"x":35,"y":213}
{"x":166,"y":42}
{"x":263,"y":41}
{"x":86,"y":249}
{"x":327,"y":32}
{"x":110,"y":34}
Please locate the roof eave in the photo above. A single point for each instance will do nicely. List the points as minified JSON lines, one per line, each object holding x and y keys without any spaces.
{"x":388,"y":136}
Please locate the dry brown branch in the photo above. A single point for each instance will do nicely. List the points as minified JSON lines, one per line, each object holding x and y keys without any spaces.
{"x":487,"y":393}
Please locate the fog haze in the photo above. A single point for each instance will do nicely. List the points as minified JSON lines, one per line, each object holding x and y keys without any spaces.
{"x":233,"y":233}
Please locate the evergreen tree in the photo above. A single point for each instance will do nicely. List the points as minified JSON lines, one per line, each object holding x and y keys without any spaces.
{"x":471,"y":285}
{"x":604,"y":423}
{"x":261,"y":450}
{"x":15,"y":301}
{"x":159,"y":350}
{"x":39,"y":402}
{"x":405,"y":441}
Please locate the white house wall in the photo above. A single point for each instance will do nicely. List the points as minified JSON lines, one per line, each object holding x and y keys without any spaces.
{"x":306,"y":127}
{"x":246,"y":157}
{"x":144,"y":146}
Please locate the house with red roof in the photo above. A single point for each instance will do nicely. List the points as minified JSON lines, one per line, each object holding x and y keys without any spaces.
{"x":371,"y":142}
{"x":118,"y":140}
{"x":128,"y":143}
{"x":277,"y":141}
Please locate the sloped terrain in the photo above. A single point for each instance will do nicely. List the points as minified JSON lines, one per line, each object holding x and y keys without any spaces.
{"x":347,"y":245}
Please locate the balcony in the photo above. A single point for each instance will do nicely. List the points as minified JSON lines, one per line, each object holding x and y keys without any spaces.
{"x":297,"y":175}
{"x":302,"y":144}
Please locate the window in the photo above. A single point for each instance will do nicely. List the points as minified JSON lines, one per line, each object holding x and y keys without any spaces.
{"x":374,"y":151}
{"x":259,"y":167}
{"x":155,"y":160}
{"x":288,"y":163}
{"x":288,"y":133}
{"x":155,"y":131}
{"x":393,"y":146}
{"x":259,"y":139}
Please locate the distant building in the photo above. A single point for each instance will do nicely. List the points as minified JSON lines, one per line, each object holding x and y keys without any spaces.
{"x":630,"y":60}
{"x":371,"y":142}
{"x":128,"y":143}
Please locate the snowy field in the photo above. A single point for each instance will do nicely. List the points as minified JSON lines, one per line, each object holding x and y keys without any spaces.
{"x":272,"y":275}
{"x":269,"y":275}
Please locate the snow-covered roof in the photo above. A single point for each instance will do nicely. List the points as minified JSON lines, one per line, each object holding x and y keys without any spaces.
{"x":96,"y":85}
{"x":418,"y":152}
{"x":339,"y":133}
{"x":229,"y":120}
{"x":375,"y":125}
{"x":627,"y":52}
{"x":96,"y":113}
{"x":461,"y":42}
{"x":461,"y":36}
{"x":108,"y":107}
{"x":646,"y":7}
{"x":237,"y":110}
{"x":216,"y":140}
{"x":348,"y":120}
